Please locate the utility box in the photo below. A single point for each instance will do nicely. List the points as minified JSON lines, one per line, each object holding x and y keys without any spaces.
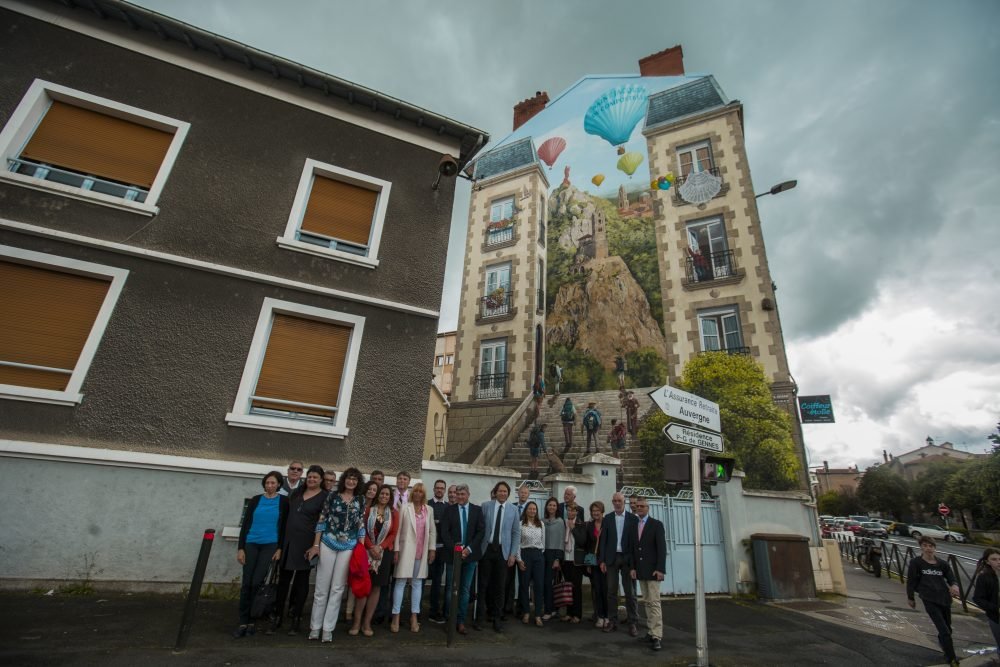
{"x":783,"y":566}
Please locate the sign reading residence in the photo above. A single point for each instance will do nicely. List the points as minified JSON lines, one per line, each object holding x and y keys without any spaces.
{"x":816,"y":409}
{"x":688,"y":407}
{"x":693,"y":437}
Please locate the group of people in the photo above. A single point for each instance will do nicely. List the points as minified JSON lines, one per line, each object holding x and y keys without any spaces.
{"x":368,"y":541}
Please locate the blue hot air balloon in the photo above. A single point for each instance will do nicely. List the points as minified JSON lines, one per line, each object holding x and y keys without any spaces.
{"x":615,"y":114}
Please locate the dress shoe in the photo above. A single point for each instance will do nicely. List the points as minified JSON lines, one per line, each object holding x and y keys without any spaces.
{"x":633,"y":630}
{"x":655,"y":645}
{"x":610,"y":627}
{"x":461,"y":629}
{"x":296,"y":624}
{"x":497,"y":626}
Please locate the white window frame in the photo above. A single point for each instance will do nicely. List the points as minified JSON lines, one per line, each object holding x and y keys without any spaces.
{"x":71,"y":395}
{"x":493,"y":344}
{"x":314,"y":168}
{"x":29,"y":113}
{"x":693,"y":150}
{"x":240,"y":415}
{"x":497,"y":206}
{"x":715,"y":313}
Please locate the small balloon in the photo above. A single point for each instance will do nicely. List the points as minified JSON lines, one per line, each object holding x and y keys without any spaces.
{"x":665,"y":185}
{"x":661,"y":180}
{"x":670,"y":176}
{"x":653,"y":184}
{"x":597,"y":179}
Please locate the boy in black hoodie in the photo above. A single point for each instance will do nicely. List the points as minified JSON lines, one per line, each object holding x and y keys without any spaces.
{"x":933,"y":580}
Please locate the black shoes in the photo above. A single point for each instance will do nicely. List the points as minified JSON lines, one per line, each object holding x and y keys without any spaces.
{"x":497,"y":626}
{"x":655,"y":644}
{"x":295,"y":625}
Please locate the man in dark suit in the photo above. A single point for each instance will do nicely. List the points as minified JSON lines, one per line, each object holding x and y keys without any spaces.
{"x":436,"y":569}
{"x":463,"y":527}
{"x":649,"y":563}
{"x":619,"y":531}
{"x":569,"y":498}
{"x":523,"y":495}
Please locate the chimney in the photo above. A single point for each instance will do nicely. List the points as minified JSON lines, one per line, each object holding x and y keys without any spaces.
{"x":524,"y":111}
{"x":885,"y":456}
{"x":826,"y":467}
{"x":890,"y":457}
{"x":669,"y":62}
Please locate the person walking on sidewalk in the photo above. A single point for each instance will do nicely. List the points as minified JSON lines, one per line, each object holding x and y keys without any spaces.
{"x":592,"y":424}
{"x":987,"y":593}
{"x":568,"y":417}
{"x":933,"y":580}
{"x":649,"y":563}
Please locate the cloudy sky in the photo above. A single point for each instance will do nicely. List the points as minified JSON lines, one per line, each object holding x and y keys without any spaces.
{"x":886,"y":256}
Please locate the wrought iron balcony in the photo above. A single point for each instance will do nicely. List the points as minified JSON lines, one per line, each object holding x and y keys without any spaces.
{"x":491,"y":387}
{"x":714,"y":266}
{"x":496,"y":303}
{"x":731,"y":350}
{"x":496,"y":235}
{"x":714,"y":171}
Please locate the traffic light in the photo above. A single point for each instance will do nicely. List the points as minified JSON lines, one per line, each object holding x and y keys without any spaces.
{"x":677,"y":468}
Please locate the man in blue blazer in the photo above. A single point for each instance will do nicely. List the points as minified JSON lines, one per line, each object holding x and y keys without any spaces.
{"x":500,"y":543}
{"x":619,"y":532}
{"x":462,"y":527}
{"x":649,"y":564}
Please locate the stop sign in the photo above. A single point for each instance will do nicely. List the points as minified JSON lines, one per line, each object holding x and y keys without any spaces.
{"x":943,"y":510}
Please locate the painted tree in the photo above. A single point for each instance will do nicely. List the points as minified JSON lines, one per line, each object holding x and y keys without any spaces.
{"x":882,"y":490}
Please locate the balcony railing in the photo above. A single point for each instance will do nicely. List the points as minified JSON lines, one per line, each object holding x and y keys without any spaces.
{"x":491,"y":387}
{"x":498,"y":236}
{"x":496,"y":303}
{"x":714,"y":171}
{"x":714,"y":266}
{"x":732,"y":350}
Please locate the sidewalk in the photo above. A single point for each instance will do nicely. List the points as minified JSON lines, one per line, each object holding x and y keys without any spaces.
{"x":878,"y":606}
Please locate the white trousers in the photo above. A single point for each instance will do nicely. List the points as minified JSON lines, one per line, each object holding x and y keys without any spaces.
{"x":331,"y":580}
{"x":416,"y":590}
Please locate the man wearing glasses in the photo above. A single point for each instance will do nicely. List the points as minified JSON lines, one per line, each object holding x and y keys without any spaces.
{"x":293,"y":479}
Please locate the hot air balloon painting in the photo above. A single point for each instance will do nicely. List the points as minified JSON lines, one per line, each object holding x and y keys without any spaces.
{"x":630,"y":162}
{"x":550,"y":149}
{"x":615,"y":114}
{"x":597,"y":179}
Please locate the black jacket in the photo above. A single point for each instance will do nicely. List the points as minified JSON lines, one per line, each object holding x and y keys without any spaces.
{"x":579,"y":514}
{"x":451,"y":529}
{"x":438,"y":507}
{"x":248,"y":519}
{"x":649,"y":552}
{"x":607,"y":546}
{"x":930,"y":580}
{"x":985,"y":595}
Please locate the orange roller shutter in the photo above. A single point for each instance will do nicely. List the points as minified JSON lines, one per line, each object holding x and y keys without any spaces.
{"x":47,"y":316}
{"x":96,"y":144}
{"x":340,"y":210}
{"x":304,"y":362}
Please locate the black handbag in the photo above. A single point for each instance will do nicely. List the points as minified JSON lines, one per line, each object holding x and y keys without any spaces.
{"x":266,"y":595}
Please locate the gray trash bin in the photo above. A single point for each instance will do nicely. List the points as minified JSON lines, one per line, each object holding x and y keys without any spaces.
{"x":783,"y":567}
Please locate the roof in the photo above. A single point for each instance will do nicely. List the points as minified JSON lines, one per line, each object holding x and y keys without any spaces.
{"x":506,"y":158}
{"x":690,"y":98}
{"x":162,"y":27}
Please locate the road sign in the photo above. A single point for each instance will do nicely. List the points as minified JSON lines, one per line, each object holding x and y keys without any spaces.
{"x":688,"y":407}
{"x":693,"y":437}
{"x":943,"y":510}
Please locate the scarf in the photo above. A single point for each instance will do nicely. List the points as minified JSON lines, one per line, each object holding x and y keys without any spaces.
{"x":386,"y":524}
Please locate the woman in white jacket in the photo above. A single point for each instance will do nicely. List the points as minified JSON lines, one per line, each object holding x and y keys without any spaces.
{"x":413,"y":553}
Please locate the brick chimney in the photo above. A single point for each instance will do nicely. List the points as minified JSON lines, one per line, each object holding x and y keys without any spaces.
{"x":669,"y":62}
{"x":524,"y":111}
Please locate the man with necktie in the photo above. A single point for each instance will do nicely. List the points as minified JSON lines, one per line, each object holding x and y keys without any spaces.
{"x":438,"y":505}
{"x":503,"y":535}
{"x":649,"y":564}
{"x":463,"y":527}
{"x":619,"y":532}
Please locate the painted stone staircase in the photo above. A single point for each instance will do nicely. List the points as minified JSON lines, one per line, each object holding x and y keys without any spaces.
{"x":610,"y":408}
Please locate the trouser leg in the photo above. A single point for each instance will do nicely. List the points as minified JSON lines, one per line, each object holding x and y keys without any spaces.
{"x":941,"y":618}
{"x":341,"y":564}
{"x":654,"y":610}
{"x":549,"y":578}
{"x":300,"y":589}
{"x":468,"y":575}
{"x":324,"y":581}
{"x":435,"y":572}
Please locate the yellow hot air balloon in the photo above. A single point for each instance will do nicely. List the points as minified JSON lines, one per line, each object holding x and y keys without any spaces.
{"x":597,"y":179}
{"x":630,"y":162}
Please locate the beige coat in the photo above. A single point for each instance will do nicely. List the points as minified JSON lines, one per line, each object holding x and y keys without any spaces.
{"x":406,"y":542}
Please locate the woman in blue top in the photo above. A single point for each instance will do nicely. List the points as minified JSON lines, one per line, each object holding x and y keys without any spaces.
{"x":262,"y":531}
{"x":341,"y":526}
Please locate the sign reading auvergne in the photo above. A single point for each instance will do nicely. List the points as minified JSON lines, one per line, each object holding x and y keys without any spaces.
{"x":688,"y":407}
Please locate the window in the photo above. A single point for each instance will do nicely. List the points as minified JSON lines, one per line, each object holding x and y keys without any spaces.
{"x":439,"y":360}
{"x":54,"y":311}
{"x":701,"y":151}
{"x":337,"y":213}
{"x":497,"y":300}
{"x":709,"y":258}
{"x":501,"y":226}
{"x":720,"y":330}
{"x":300,"y":371}
{"x":492,"y":379}
{"x":87,"y":147}
{"x":449,"y":360}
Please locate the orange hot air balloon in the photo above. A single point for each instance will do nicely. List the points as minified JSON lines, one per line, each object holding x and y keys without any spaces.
{"x":549,"y":151}
{"x":597,"y":179}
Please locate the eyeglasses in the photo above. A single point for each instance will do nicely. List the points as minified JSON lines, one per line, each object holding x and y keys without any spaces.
{"x":291,"y":469}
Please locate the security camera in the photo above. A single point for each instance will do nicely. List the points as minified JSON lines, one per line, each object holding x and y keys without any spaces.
{"x":447,"y":166}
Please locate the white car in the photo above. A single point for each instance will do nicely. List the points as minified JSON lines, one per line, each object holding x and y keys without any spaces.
{"x":938,"y":533}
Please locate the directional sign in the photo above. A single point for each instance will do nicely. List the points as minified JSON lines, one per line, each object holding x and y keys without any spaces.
{"x":693,"y":437}
{"x":688,"y":407}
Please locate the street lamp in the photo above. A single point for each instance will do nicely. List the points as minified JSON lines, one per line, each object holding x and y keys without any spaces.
{"x":779,"y":188}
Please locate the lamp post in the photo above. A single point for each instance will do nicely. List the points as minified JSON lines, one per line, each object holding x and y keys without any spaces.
{"x":779,"y":188}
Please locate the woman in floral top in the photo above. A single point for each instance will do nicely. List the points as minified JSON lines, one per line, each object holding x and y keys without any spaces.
{"x":341,"y":525}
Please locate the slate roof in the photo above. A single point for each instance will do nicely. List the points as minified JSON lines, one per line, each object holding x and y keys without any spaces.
{"x":684,"y":100}
{"x":506,"y":158}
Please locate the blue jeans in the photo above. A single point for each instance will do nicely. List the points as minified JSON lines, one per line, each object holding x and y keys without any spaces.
{"x":533,"y":575}
{"x":468,"y":576}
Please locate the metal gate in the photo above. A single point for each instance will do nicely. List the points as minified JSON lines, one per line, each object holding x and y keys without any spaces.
{"x":677,"y":515}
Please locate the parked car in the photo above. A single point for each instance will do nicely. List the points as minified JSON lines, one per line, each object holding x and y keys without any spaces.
{"x":899,"y":528}
{"x":937,"y":532}
{"x":860,"y":518}
{"x":874,"y":529}
{"x":853,"y":526}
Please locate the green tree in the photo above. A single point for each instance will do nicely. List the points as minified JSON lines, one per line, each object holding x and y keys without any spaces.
{"x":928,"y":489}
{"x":882,"y":490}
{"x":646,"y":368}
{"x":581,"y":371}
{"x":987,"y":483}
{"x":757,"y":432}
{"x":995,"y":439}
{"x":838,"y":503}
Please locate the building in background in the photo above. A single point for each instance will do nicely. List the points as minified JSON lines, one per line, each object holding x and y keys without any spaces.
{"x":213,"y":261}
{"x":444,"y":361}
{"x":912,"y":464}
{"x":841,"y":480}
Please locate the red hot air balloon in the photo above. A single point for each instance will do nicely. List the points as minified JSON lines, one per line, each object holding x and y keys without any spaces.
{"x":549,"y":151}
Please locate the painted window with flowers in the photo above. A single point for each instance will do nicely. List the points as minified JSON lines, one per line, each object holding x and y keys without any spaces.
{"x":497,"y":298}
{"x":501,"y":226}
